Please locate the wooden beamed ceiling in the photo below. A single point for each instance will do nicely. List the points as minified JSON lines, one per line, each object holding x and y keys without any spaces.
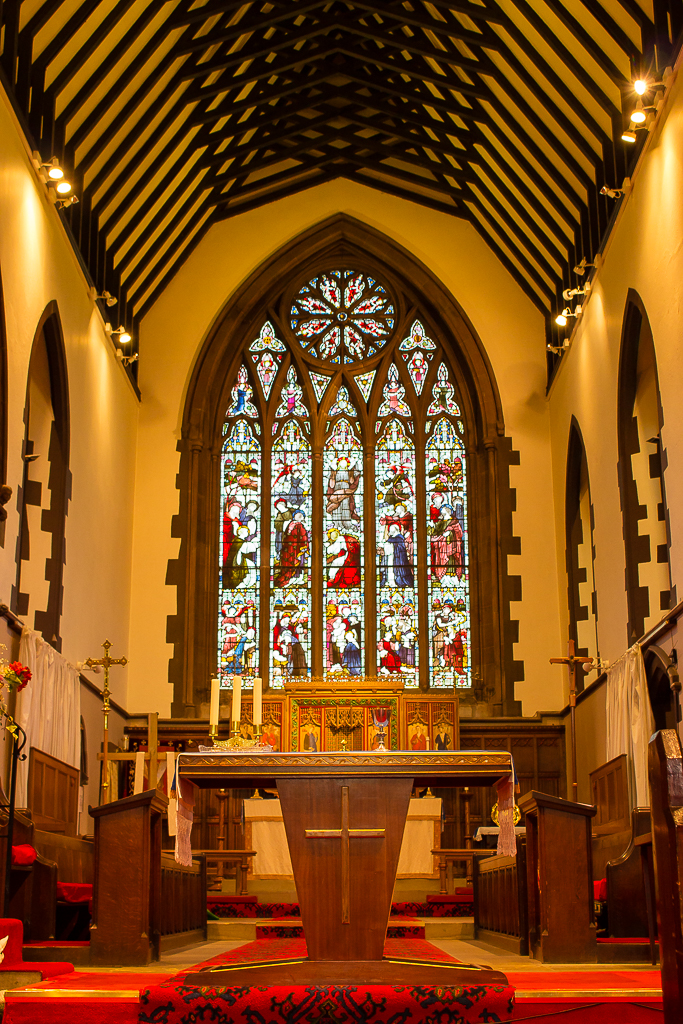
{"x":171,"y":115}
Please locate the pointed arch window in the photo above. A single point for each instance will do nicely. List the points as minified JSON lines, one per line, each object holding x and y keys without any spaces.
{"x":344,"y":536}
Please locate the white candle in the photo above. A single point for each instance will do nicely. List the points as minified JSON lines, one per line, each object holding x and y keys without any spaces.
{"x":236,"y":698}
{"x":427,"y":742}
{"x":215,"y":701}
{"x":258,"y":701}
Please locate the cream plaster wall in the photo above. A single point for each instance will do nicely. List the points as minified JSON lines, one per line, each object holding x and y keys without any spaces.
{"x":645,"y":253}
{"x":511,"y":330}
{"x":38,"y":266}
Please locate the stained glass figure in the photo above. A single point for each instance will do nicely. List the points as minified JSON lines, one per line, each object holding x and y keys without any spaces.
{"x":394,"y":403}
{"x":343,"y":552}
{"x":319,"y":382}
{"x":417,"y":339}
{"x":267,"y":339}
{"x":242,"y":393}
{"x":267,"y":371}
{"x":448,"y":563}
{"x":343,"y":404}
{"x":395,"y":511}
{"x":290,"y":555}
{"x":418,"y":368}
{"x":291,"y":403}
{"x":239,"y":572}
{"x":442,"y":395}
{"x":342,"y":312}
{"x":364,"y":382}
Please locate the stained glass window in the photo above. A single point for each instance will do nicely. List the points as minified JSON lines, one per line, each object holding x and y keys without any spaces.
{"x":448,"y":563}
{"x":290,"y":555}
{"x":395,"y":511}
{"x":239,"y":575}
{"x":347,"y":580}
{"x":343,"y":543}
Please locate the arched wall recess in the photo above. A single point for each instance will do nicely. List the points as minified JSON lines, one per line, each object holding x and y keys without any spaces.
{"x":43,"y":497}
{"x":266,"y":296}
{"x":580,"y":551}
{"x":642,"y":462}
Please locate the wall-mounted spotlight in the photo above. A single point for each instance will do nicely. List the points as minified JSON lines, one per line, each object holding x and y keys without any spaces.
{"x":639,"y":115}
{"x":629,"y":134}
{"x":558,"y":349}
{"x":123,"y":336}
{"x":570,"y":293}
{"x":613,"y":193}
{"x":106,"y":297}
{"x":126,"y":360}
{"x":561,"y":318}
{"x":52,"y":175}
{"x":63,"y":204}
{"x":643,"y":85}
{"x":583,"y":266}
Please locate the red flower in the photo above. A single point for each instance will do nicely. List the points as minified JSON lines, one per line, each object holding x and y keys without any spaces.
{"x":21,"y":673}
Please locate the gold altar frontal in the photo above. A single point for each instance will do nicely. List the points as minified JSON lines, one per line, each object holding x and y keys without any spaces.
{"x":344,"y":816}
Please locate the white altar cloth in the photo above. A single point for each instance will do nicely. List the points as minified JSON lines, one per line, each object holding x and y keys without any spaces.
{"x":265,"y":833}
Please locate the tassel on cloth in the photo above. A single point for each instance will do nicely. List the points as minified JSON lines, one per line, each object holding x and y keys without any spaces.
{"x":507,"y":845}
{"x":184,"y":819}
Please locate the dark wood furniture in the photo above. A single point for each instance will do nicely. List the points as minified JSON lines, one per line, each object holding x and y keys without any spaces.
{"x":240,"y":858}
{"x":344,"y":816}
{"x":665,"y":770}
{"x":501,"y":902}
{"x":611,"y":828}
{"x":626,"y":888}
{"x":447,"y":858}
{"x":126,"y":923}
{"x":143,"y":902}
{"x":53,"y":793}
{"x":559,"y":879}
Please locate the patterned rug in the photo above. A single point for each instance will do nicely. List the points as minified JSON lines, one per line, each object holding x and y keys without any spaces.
{"x":434,"y":908}
{"x":177,"y":1002}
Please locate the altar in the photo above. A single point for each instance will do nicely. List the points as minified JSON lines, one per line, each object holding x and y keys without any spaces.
{"x":264,"y":831}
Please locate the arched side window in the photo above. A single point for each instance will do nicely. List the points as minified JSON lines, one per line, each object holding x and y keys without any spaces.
{"x":46,"y":485}
{"x":345,"y":505}
{"x":348,"y":410}
{"x":580,"y":552}
{"x":641,"y":476}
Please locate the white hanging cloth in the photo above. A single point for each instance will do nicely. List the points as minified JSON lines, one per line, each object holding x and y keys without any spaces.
{"x":49,"y":708}
{"x":629,"y":719}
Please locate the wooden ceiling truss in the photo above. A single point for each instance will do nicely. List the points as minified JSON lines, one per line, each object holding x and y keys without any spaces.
{"x":171,"y":116}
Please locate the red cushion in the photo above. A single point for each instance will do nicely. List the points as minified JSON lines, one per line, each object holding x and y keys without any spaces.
{"x":600,"y":889}
{"x":74,"y":892}
{"x":23,"y":855}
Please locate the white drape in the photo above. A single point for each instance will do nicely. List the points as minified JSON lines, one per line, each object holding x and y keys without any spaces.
{"x":49,"y":708}
{"x":629,"y":719}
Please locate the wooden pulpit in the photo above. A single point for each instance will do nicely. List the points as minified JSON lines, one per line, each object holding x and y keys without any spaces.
{"x":559,"y":879}
{"x":125,"y":927}
{"x":344,"y":816}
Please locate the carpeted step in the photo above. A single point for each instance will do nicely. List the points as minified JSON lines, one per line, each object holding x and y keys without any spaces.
{"x":293,"y":929}
{"x":458,"y":905}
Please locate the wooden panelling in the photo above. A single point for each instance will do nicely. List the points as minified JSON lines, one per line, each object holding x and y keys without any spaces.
{"x":500,"y":900}
{"x":610,"y":794}
{"x":53,"y":793}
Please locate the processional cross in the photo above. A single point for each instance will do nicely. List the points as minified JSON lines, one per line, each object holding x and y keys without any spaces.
{"x":345,"y":834}
{"x":571,"y":661}
{"x":106,"y":662}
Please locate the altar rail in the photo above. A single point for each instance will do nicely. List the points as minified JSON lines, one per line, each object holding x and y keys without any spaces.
{"x":500,"y":900}
{"x":183,"y":903}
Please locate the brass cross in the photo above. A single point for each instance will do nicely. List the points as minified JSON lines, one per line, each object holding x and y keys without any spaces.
{"x":345,"y":834}
{"x":571,"y":661}
{"x":106,"y":662}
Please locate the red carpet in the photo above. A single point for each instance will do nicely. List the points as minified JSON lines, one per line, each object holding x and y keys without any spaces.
{"x":176,"y":1002}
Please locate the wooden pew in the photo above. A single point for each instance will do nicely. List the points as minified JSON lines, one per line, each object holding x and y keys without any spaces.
{"x":501,"y":902}
{"x":183,"y":903}
{"x":665,"y":770}
{"x":611,"y":826}
{"x":626,"y":895}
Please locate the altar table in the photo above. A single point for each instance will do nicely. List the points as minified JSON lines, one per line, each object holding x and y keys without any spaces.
{"x":264,"y":831}
{"x":344,"y":816}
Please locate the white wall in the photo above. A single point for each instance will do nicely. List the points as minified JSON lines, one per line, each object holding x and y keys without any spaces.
{"x":171,"y":336}
{"x":38,"y":266}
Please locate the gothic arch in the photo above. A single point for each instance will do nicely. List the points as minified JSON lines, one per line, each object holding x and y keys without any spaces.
{"x":46,"y":482}
{"x":580,"y":553}
{"x":642,"y":462}
{"x":195,"y":572}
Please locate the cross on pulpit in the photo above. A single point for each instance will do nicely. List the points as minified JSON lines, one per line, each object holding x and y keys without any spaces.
{"x":572,"y":661}
{"x":106,"y":662}
{"x":345,"y":834}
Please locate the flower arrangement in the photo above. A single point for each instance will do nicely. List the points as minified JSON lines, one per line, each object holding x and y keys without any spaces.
{"x":15,"y":677}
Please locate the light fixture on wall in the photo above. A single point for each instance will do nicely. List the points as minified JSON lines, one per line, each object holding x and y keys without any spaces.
{"x":561,"y":318}
{"x":63,"y":204}
{"x":126,"y":360}
{"x":121,"y":333}
{"x":558,"y":349}
{"x":639,"y":115}
{"x":106,"y":297}
{"x":51,"y":173}
{"x":583,"y":266}
{"x":616,"y":193}
{"x":629,"y":134}
{"x":570,"y":293}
